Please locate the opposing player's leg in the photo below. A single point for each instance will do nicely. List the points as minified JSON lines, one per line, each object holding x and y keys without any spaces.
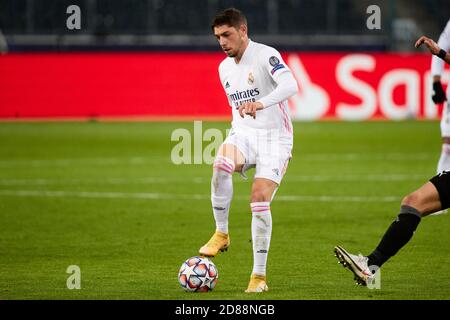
{"x":228,"y":160}
{"x":430,"y":197}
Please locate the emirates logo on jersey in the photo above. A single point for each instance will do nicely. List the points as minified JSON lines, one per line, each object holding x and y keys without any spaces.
{"x":239,"y":97}
{"x":250,"y":79}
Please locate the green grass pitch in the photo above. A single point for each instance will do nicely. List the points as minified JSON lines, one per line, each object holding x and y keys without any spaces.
{"x":105,"y":196}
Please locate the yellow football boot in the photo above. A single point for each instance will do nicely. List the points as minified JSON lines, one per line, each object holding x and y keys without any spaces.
{"x":218,"y":242}
{"x":257,"y":284}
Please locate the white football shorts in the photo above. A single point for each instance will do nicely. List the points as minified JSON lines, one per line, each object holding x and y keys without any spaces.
{"x":269,"y":151}
{"x":445,"y":120}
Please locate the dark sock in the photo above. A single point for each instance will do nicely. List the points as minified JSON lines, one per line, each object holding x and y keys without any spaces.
{"x":398,"y":234}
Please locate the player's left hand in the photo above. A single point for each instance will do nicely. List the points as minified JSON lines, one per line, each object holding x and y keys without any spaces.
{"x":250,"y":108}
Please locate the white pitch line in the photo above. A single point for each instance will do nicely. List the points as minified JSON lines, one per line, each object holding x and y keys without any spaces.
{"x":98,"y":181}
{"x":138,"y":160}
{"x":367,"y":156}
{"x":355,"y":178}
{"x":82,"y":161}
{"x":166,"y":196}
{"x":200,"y":180}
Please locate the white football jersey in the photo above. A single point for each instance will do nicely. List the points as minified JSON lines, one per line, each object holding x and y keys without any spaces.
{"x":437,"y":64}
{"x":437,"y":68}
{"x":251,"y":79}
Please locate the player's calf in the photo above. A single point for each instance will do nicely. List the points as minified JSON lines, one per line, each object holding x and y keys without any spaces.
{"x":222,"y":191}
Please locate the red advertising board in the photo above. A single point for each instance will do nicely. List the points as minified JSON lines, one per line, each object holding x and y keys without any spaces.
{"x":347,"y":86}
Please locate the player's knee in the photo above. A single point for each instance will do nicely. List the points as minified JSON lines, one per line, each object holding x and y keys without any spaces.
{"x":223,"y":165}
{"x":259,"y":195}
{"x":412,"y":200}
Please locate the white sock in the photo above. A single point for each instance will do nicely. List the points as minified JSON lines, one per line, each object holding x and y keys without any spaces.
{"x":222,"y":191}
{"x":444,"y":160}
{"x":261,"y":233}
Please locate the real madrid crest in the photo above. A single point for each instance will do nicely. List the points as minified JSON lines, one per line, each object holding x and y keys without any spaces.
{"x":250,"y":79}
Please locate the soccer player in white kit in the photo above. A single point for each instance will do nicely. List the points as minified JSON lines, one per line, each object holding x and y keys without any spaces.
{"x":439,"y":96}
{"x":257,"y":83}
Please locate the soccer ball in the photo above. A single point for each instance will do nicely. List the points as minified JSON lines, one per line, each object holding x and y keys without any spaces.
{"x":198,"y":274}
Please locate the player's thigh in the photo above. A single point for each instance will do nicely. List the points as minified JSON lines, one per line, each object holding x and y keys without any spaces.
{"x":425,"y":199}
{"x":232,"y":152}
{"x":272,"y":163}
{"x":263,"y":190}
{"x":436,"y":193}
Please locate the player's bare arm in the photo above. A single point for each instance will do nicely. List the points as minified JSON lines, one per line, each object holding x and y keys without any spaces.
{"x":433,"y":47}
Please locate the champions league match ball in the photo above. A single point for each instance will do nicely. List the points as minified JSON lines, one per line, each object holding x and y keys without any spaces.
{"x":198,"y":274}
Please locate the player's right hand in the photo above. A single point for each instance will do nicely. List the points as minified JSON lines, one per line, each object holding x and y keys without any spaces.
{"x":439,"y":94}
{"x":250,"y":109}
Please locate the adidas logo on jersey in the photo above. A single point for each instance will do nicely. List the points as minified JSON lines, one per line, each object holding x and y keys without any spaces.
{"x":227,"y":85}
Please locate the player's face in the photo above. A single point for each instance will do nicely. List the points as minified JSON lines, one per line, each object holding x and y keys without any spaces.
{"x":231,"y":40}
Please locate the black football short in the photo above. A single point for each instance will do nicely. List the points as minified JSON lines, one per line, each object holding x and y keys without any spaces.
{"x":442,"y":184}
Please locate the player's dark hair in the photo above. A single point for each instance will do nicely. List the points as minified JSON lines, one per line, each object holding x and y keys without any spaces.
{"x":231,"y":17}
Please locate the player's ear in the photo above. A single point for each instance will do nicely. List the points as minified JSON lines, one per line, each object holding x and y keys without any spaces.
{"x":243,"y":29}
